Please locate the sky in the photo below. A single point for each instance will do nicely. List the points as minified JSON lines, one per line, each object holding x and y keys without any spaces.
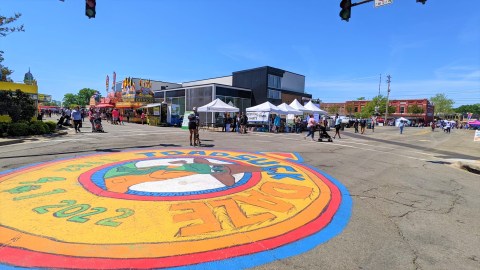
{"x":426,"y":49}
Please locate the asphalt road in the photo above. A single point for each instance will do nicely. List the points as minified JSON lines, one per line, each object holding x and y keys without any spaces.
{"x":413,"y":207}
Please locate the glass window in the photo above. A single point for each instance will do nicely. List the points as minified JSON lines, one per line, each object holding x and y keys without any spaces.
{"x":274,"y":81}
{"x":402,"y":109}
{"x":274,"y":94}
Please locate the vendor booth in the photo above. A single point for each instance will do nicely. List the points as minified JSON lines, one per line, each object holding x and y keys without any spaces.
{"x":259,"y":116}
{"x":215,"y":107}
{"x":157,"y":114}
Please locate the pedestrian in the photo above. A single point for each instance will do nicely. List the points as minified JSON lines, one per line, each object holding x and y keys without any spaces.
{"x":224,"y":123}
{"x":115,"y":114}
{"x":277,"y":123}
{"x":77,"y":118}
{"x":448,"y":127}
{"x":234,"y":125}
{"x":243,"y":123}
{"x":192,"y":126}
{"x":311,"y":127}
{"x":433,"y":125}
{"x":91,"y":117}
{"x":401,"y":125}
{"x":363,"y":124}
{"x":373,"y":125}
{"x":298,"y":123}
{"x":128,"y":117}
{"x":355,"y":125}
{"x":238,"y":122}
{"x":228,"y":123}
{"x":142,"y":117}
{"x":120,"y":119}
{"x":338,"y":124}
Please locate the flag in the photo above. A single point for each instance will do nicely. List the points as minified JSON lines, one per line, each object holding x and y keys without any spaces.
{"x":114,"y":80}
{"x":106,"y":83}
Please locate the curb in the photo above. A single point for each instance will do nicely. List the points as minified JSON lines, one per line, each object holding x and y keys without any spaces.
{"x":8,"y":141}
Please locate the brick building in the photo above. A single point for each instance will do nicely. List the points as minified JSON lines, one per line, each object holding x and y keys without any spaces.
{"x":416,"y":110}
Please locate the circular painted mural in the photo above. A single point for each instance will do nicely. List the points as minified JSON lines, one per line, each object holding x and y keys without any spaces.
{"x":166,"y":208}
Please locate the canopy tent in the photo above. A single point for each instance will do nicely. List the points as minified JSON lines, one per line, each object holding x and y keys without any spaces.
{"x":403,"y":119}
{"x":104,"y":105}
{"x":217,"y":106}
{"x":288,"y":109}
{"x":152,"y":105}
{"x":310,"y":106}
{"x":266,"y":107}
{"x":297,"y":106}
{"x":474,"y":123}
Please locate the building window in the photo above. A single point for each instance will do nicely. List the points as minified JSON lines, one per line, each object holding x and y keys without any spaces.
{"x":274,"y":94}
{"x":274,"y":81}
{"x":402,"y":109}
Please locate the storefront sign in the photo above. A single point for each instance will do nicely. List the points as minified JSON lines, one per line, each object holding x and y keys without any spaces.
{"x":156,"y":110}
{"x":476,"y":138}
{"x":258,"y":116}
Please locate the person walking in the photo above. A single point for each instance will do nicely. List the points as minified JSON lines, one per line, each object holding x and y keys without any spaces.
{"x":115,"y":114}
{"x":91,"y":116}
{"x":142,"y":116}
{"x":243,"y":123}
{"x":77,"y":118}
{"x":234,"y":124}
{"x":311,"y":127}
{"x":298,"y":123}
{"x":277,"y":123}
{"x":193,"y":120}
{"x":363,"y":124}
{"x":401,"y":125}
{"x":355,"y":125}
{"x":338,"y":125}
{"x":373,"y":125}
{"x":238,"y":120}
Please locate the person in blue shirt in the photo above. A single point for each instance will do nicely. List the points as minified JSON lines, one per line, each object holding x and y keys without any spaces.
{"x":277,"y":122}
{"x":338,"y":124}
{"x":77,"y":118}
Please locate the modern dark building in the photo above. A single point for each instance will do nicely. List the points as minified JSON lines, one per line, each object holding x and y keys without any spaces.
{"x":271,"y":84}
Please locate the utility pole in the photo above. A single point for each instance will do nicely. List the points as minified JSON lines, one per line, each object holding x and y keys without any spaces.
{"x":379,"y":83}
{"x":388,"y":93}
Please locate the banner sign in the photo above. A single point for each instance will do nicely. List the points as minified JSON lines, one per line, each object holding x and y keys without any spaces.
{"x":476,"y":138}
{"x":258,"y":116}
{"x":107,"y":82}
{"x":114,"y":82}
{"x":185,"y":119}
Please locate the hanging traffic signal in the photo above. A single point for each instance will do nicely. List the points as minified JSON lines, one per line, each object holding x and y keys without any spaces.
{"x":421,"y":1}
{"x":90,"y":8}
{"x":346,"y":6}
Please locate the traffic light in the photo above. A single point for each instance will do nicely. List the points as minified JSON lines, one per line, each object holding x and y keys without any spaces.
{"x":346,"y":6}
{"x":90,"y":8}
{"x":421,"y":1}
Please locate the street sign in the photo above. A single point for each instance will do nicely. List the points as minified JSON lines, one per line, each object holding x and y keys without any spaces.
{"x":379,"y":3}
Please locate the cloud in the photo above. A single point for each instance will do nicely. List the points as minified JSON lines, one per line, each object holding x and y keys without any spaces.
{"x":238,"y":52}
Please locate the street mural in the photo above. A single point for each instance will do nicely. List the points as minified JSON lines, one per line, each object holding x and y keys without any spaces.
{"x":167,"y":208}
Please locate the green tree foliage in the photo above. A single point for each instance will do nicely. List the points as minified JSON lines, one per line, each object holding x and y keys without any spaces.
{"x":84,"y":96}
{"x":474,"y":108}
{"x":442,"y":104}
{"x":81,"y":99}
{"x":5,"y":29}
{"x":414,"y":109}
{"x":18,"y":105}
{"x":349,"y":108}
{"x":376,"y":105}
{"x":69,"y":99}
{"x":361,"y":98}
{"x":333,"y":109}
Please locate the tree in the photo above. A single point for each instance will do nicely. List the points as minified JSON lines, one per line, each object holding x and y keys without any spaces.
{"x":377,"y":106}
{"x":84,"y":96}
{"x":361,"y":98}
{"x":474,"y":108}
{"x":414,"y":109}
{"x":5,"y":72}
{"x":69,"y":99}
{"x":349,"y":108}
{"x":333,"y":109}
{"x":4,"y":21}
{"x":18,"y":105}
{"x":442,"y":104}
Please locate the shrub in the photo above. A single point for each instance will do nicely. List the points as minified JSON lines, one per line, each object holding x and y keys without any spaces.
{"x":4,"y":129}
{"x":51,"y":126}
{"x":18,"y":129}
{"x":37,"y":128}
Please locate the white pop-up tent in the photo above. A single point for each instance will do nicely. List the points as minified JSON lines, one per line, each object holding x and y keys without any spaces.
{"x":288,"y":109}
{"x":217,"y":106}
{"x":310,"y":106}
{"x":266,"y":107}
{"x":297,"y":106}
